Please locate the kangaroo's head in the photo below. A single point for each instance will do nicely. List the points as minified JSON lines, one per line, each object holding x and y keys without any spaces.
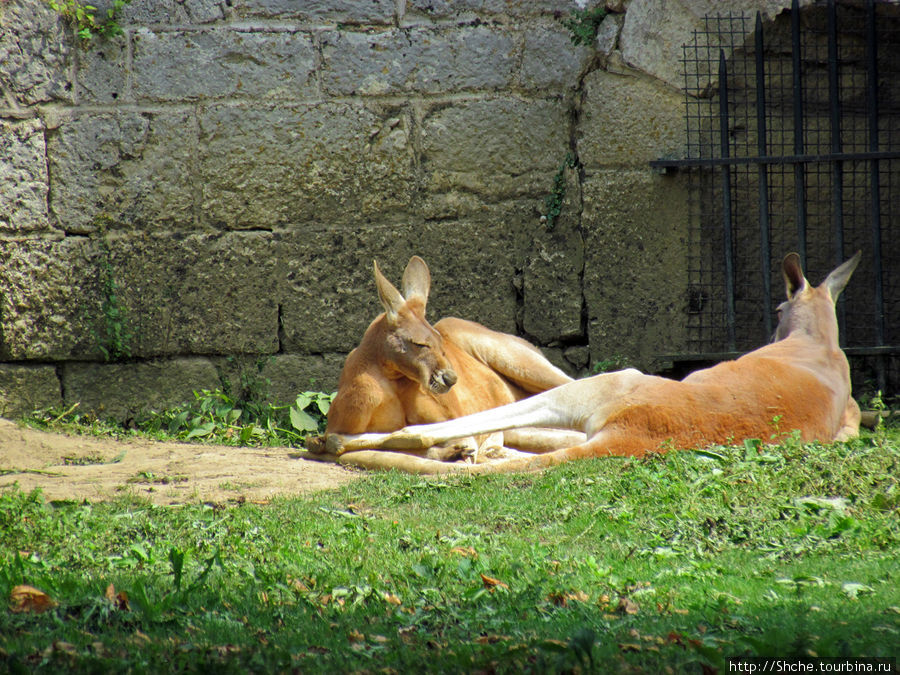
{"x":809,"y":309}
{"x":412,"y":348}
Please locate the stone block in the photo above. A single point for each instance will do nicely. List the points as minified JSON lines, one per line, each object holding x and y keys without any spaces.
{"x":125,"y":391}
{"x":317,"y":11}
{"x":48,"y":298}
{"x":554,"y":262}
{"x":495,"y":148}
{"x":318,"y":163}
{"x":329,"y":296}
{"x":172,"y":12}
{"x":550,"y":62}
{"x":199,"y":65}
{"x":23,"y":173}
{"x":188,"y":294}
{"x":462,"y":10}
{"x":422,"y":60}
{"x":102,"y":75}
{"x":198,"y":293}
{"x":655,"y":30}
{"x":476,"y":265}
{"x":123,"y":170}
{"x":279,"y":378}
{"x":26,"y":388}
{"x":35,"y":53}
{"x":473,"y":263}
{"x":629,"y":121}
{"x":636,"y":261}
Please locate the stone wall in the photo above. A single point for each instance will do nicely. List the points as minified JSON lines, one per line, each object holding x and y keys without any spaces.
{"x":207,"y":192}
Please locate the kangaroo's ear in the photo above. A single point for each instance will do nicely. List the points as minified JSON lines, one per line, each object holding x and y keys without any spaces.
{"x":416,"y":279}
{"x":390,"y":297}
{"x":839,"y":276}
{"x":794,"y":281}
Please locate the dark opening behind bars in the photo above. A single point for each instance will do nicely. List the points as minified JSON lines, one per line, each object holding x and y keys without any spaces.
{"x":793,"y":144}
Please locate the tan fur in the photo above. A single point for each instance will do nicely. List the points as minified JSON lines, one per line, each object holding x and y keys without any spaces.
{"x":396,"y":376}
{"x":799,"y":382}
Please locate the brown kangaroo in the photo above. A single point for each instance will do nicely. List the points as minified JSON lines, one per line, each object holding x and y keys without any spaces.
{"x":801,"y":380}
{"x":406,"y":371}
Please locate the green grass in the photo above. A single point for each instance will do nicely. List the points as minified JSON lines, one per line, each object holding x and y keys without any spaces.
{"x":676,"y":562}
{"x":213,"y":417}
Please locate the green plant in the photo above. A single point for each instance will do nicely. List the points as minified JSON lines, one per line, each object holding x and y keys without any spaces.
{"x":115,"y":336}
{"x":615,"y":362}
{"x":553,"y":202}
{"x":84,"y":18}
{"x":584,"y":23}
{"x":216,"y":416}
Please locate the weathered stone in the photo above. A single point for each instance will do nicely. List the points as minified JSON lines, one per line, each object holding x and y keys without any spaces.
{"x":655,"y":30}
{"x":123,"y":170}
{"x":23,"y":172}
{"x":102,"y":75}
{"x":35,"y":46}
{"x":123,"y":391}
{"x":579,"y":356}
{"x":178,"y":12}
{"x":341,"y":11}
{"x":635,"y":272}
{"x":279,"y":378}
{"x":322,"y":311}
{"x":462,"y":149}
{"x":321,"y":163}
{"x":473,"y":262}
{"x":26,"y":388}
{"x":608,"y":36}
{"x":190,"y":65}
{"x":629,"y":121}
{"x":552,"y":299}
{"x":550,"y":62}
{"x":417,"y":59}
{"x":500,"y":9}
{"x":198,"y":294}
{"x":48,"y":298}
{"x":475,"y":265}
{"x":194,"y":294}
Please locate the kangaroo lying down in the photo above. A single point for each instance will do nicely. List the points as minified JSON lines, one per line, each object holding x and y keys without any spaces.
{"x":406,"y":371}
{"x":802,"y":378}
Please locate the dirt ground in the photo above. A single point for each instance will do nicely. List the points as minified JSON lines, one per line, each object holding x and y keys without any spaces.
{"x":95,"y":469}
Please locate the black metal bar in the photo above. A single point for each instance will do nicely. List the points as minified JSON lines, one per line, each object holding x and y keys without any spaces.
{"x":837,"y":188}
{"x":726,"y":201}
{"x":799,"y":168}
{"x":763,"y":179}
{"x":874,"y":180}
{"x":775,"y":159}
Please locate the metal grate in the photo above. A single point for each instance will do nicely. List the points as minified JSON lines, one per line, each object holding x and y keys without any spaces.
{"x":793,"y":144}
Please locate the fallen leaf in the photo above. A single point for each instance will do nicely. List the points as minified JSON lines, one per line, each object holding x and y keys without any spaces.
{"x":392,"y":599}
{"x":141,"y":637}
{"x":355,"y":636}
{"x":24,"y":598}
{"x":491,"y":583}
{"x":854,"y":590}
{"x":465,"y":551}
{"x":119,"y":600}
{"x":491,"y":639}
{"x":630,"y":647}
{"x":627,"y":606}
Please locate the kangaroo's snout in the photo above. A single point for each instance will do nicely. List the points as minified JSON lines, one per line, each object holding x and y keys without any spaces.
{"x":442,"y":380}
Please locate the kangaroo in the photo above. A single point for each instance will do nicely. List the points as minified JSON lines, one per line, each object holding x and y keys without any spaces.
{"x":801,"y":379}
{"x":406,"y":371}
